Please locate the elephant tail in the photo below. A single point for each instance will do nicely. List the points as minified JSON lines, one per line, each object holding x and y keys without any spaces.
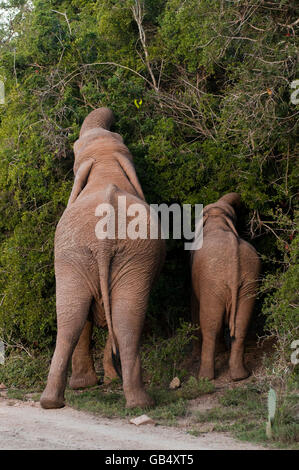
{"x":104,"y":273}
{"x":104,"y":284}
{"x":234,"y":287}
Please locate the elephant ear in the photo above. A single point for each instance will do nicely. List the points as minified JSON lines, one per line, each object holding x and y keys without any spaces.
{"x":80,"y":180}
{"x":205,"y":218}
{"x":229,"y":213}
{"x":231,"y":225}
{"x":225,"y":210}
{"x":129,"y":170}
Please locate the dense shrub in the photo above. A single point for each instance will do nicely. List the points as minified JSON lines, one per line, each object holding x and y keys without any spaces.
{"x":214,"y":78}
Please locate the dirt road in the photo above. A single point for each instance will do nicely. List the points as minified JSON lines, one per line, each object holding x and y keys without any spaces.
{"x":24,"y":425}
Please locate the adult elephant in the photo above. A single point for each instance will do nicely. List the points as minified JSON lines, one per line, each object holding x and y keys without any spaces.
{"x":106,"y":280}
{"x":225,"y":280}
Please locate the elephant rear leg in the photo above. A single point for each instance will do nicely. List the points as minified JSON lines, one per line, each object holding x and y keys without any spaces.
{"x":128,"y":315}
{"x":238,"y":370}
{"x":211,"y":318}
{"x":73,"y":300}
{"x":196,"y":341}
{"x":83,"y":371}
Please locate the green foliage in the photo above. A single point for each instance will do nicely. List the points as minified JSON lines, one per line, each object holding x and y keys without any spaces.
{"x":281,"y":305}
{"x":243,"y":411}
{"x":162,"y":358}
{"x":22,"y":371}
{"x":236,"y":396}
{"x":193,"y":388}
{"x":168,"y":407}
{"x":214,"y":78}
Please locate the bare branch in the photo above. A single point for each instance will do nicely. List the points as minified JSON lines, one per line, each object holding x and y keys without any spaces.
{"x":138,"y":14}
{"x":66,"y":19}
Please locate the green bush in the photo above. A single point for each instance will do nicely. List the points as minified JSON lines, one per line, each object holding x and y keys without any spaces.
{"x":193,"y":388}
{"x":216,"y":117}
{"x":281,"y":308}
{"x":25,"y":372}
{"x":162,"y":358}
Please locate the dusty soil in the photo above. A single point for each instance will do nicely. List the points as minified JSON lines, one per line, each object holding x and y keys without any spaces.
{"x":26,"y":425}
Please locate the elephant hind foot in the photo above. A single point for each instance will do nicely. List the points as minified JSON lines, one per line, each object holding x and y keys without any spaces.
{"x":240,"y":375}
{"x":50,"y":402}
{"x":139,"y":399}
{"x":108,"y":379}
{"x":83,"y":381}
{"x":110,"y":373}
{"x":206,"y":373}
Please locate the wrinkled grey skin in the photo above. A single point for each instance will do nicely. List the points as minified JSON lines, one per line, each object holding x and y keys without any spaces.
{"x":106,"y":281}
{"x":224,"y":279}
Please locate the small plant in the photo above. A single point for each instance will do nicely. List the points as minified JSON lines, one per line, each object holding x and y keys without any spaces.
{"x":271,"y":412}
{"x":162,"y":358}
{"x":22,"y":371}
{"x":194,"y":388}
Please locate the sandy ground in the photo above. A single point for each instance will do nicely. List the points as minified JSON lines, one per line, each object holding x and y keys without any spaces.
{"x":25,"y":425}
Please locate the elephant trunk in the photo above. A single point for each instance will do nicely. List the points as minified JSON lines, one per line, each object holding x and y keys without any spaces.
{"x":101,"y":117}
{"x":233,"y":199}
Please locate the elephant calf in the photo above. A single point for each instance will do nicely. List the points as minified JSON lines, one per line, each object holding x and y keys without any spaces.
{"x":106,"y":280}
{"x":224,"y":279}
